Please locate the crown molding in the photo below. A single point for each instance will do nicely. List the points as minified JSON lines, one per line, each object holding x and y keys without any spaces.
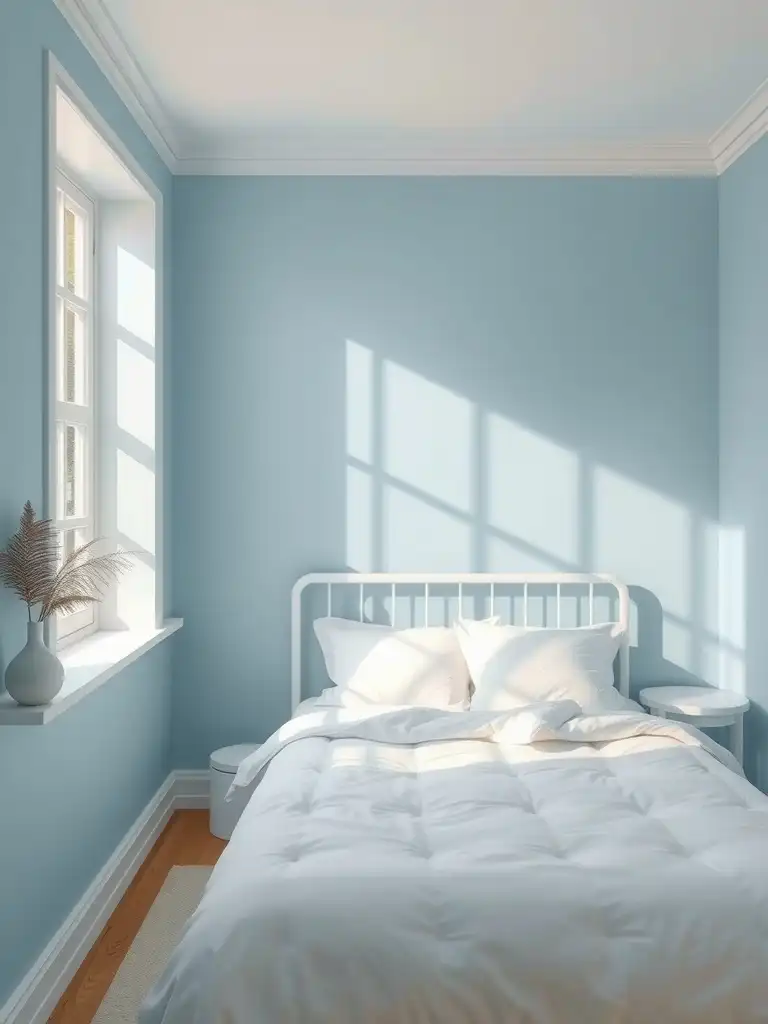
{"x":744,"y":129}
{"x":96,"y":29}
{"x":93,"y":24}
{"x":663,"y":160}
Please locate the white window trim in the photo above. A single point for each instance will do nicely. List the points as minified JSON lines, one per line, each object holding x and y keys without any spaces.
{"x":81,"y":624}
{"x":58,"y":78}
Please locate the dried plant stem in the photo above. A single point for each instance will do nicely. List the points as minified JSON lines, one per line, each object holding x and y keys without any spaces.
{"x":30,"y":567}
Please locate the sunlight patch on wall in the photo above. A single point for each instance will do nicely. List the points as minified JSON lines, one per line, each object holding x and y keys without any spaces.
{"x":359,"y":402}
{"x":428,"y":436}
{"x":128,"y":426}
{"x":135,"y":602}
{"x":533,"y":490}
{"x":135,"y":503}
{"x":436,"y":484}
{"x":135,"y":296}
{"x":506,"y":556}
{"x":733,"y":607}
{"x":136,"y":394}
{"x":420,"y":538}
{"x":644,"y":537}
{"x":710,"y":652}
{"x":710,"y":569}
{"x":360,"y":550}
{"x":136,"y":595}
{"x":677,"y":643}
{"x":732,"y":577}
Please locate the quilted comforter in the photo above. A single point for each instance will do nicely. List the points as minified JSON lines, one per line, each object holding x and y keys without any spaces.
{"x":413,"y":865}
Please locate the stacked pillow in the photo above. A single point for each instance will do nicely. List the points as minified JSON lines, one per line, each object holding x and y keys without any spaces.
{"x":380,"y":665}
{"x":509,"y":666}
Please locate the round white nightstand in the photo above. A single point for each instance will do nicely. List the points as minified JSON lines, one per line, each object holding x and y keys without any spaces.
{"x":702,"y":706}
{"x":224,"y":765}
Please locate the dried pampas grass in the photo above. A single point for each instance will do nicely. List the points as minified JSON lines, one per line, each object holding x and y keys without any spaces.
{"x":30,"y":567}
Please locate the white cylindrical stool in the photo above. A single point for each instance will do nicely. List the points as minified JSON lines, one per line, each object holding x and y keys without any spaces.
{"x":224,"y":765}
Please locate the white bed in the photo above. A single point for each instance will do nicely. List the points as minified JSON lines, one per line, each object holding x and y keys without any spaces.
{"x":533,"y":865}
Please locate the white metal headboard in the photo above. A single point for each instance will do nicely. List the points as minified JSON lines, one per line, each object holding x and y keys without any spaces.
{"x":458,"y":582}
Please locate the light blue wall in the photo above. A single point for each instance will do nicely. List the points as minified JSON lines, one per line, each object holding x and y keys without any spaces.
{"x":744,"y":435}
{"x":547,"y":358}
{"x":68,"y":791}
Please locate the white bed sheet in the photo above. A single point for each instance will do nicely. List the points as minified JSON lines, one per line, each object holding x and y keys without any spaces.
{"x":552,"y":868}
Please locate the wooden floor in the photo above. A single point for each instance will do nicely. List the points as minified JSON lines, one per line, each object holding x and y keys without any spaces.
{"x":185,"y":840}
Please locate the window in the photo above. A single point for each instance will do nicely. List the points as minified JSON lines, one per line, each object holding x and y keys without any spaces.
{"x":75,"y":498}
{"x":104,"y":456}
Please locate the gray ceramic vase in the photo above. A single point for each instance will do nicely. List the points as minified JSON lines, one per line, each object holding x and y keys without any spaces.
{"x":35,"y":675}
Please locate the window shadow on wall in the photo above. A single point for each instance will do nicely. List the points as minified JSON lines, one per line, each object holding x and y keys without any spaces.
{"x":436,"y":482}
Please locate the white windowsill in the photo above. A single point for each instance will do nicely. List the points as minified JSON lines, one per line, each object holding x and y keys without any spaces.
{"x":87,"y":665}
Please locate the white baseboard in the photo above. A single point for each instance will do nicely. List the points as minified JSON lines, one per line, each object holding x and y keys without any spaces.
{"x":191,"y":789}
{"x":34,"y":999}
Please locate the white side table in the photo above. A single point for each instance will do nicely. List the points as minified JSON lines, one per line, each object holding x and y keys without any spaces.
{"x":702,"y":706}
{"x":224,"y":765}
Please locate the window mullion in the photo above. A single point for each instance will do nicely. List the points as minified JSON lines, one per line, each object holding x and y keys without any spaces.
{"x":74,"y":288}
{"x":80,"y":304}
{"x":74,"y":523}
{"x":68,"y":412}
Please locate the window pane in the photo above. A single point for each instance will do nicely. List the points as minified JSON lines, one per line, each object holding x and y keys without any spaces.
{"x":74,"y":251}
{"x":72,"y":356}
{"x":59,"y":238}
{"x":69,"y":541}
{"x":69,"y":622}
{"x":74,"y":385}
{"x":72,"y":471}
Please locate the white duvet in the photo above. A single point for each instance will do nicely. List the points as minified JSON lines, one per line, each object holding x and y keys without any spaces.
{"x":538,"y":865}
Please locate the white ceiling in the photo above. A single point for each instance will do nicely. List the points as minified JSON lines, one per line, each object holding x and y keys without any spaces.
{"x":292,"y":80}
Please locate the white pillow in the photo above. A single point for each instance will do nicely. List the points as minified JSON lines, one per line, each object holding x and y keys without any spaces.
{"x":512,"y":666}
{"x":381,"y":665}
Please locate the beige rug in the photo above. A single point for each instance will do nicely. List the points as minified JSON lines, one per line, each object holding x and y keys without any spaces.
{"x":152,"y":947}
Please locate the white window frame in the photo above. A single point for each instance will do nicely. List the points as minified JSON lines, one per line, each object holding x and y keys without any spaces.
{"x":78,"y":625}
{"x":58,"y":79}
